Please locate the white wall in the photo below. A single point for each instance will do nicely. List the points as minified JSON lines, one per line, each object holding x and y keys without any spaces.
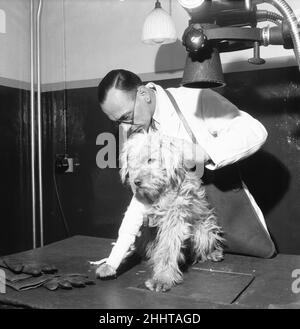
{"x":15,"y":43}
{"x":101,"y":35}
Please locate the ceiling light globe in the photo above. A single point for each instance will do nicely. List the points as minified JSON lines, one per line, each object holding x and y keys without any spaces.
{"x":159,"y":28}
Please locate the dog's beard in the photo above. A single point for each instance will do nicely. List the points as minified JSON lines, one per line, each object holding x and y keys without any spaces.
{"x":151,"y":189}
{"x":148,"y":195}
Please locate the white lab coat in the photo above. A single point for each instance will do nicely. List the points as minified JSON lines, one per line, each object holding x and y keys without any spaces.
{"x":226,"y":133}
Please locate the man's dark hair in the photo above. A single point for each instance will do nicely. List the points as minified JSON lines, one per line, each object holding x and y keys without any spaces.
{"x":120,"y":79}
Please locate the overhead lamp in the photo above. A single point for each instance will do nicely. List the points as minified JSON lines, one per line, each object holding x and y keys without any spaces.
{"x":218,"y":26}
{"x":159,"y":27}
{"x":203,"y":67}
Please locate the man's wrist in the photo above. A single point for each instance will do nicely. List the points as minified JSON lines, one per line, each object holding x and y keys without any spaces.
{"x":196,"y":153}
{"x":206,"y":157}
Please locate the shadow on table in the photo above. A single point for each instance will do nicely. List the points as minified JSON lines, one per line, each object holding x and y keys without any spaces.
{"x":130,"y":262}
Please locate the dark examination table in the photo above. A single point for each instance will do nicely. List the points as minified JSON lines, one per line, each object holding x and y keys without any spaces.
{"x":236,"y":282}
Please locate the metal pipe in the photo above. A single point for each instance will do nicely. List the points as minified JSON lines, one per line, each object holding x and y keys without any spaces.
{"x":32,"y":118}
{"x":39,"y":117}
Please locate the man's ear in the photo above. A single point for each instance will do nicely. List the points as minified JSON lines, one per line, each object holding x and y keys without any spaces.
{"x":144,"y":92}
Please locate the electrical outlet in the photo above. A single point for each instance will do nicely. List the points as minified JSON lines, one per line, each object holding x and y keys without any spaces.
{"x":65,"y":163}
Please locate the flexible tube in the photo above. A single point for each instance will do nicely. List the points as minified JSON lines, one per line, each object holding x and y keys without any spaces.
{"x":265,"y":15}
{"x":289,"y":15}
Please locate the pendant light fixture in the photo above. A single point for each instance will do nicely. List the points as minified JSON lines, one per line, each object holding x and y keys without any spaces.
{"x":159,"y":27}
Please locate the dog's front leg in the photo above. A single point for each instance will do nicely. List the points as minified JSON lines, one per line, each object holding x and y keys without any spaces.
{"x":166,"y":253}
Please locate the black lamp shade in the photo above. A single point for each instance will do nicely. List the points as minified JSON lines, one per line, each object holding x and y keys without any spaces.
{"x":203,"y":70}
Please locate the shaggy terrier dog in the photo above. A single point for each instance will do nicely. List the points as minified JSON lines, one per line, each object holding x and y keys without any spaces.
{"x":186,"y":230}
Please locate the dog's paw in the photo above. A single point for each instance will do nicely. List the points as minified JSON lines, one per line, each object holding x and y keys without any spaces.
{"x":105,"y":271}
{"x":158,"y":285}
{"x":216,"y":256}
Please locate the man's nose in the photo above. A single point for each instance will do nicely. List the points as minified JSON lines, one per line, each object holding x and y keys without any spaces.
{"x":137,"y":182}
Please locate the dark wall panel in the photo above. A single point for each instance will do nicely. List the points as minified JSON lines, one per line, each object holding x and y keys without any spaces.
{"x":93,"y":199}
{"x":15,"y":198}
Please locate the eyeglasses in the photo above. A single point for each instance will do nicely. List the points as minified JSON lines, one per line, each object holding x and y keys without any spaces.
{"x":128,"y":117}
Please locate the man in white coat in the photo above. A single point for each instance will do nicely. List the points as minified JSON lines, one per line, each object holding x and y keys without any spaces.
{"x":224,"y":136}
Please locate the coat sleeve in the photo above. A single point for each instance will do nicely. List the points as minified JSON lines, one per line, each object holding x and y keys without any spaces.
{"x":233,"y":134}
{"x":130,"y":226}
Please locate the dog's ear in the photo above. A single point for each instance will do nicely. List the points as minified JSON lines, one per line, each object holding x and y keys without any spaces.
{"x":177,"y":176}
{"x":172,"y":160}
{"x":124,"y":171}
{"x":131,"y":150}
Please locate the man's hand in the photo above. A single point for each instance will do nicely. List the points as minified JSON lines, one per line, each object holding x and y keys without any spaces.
{"x":105,"y":271}
{"x":194,"y":153}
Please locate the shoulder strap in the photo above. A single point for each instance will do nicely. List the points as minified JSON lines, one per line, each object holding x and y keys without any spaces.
{"x":181,"y":117}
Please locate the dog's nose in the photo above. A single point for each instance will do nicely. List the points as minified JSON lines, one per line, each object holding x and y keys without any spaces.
{"x":137,"y":182}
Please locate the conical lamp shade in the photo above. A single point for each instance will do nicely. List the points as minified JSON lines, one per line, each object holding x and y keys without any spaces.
{"x":159,"y":27}
{"x":203,"y":70}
